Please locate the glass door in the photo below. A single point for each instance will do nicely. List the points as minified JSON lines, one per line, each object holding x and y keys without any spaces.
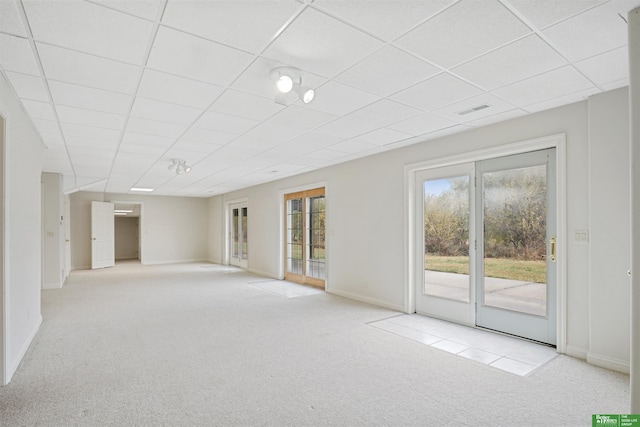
{"x":446,"y":263}
{"x":238,"y":241}
{"x":516,"y":254}
{"x":305,"y":249}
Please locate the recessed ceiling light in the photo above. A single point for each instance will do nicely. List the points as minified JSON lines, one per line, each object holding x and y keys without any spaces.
{"x":147,"y":190}
{"x":122,"y":211}
{"x":473,"y":110}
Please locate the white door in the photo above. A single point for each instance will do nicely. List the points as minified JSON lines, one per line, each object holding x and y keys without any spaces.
{"x":516,"y":245}
{"x":102,"y":235}
{"x":445,"y":264}
{"x":238,"y":230}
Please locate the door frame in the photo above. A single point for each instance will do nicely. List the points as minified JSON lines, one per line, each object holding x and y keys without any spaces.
{"x":226,"y":253}
{"x":557,"y":141}
{"x":327,"y":226}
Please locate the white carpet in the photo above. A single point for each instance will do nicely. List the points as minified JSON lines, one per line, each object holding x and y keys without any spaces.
{"x":196,"y":344}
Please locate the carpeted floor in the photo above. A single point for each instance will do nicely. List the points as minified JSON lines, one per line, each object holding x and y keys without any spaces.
{"x":197,"y":344}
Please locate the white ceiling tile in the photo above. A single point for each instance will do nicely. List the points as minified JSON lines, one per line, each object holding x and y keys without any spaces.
{"x":290,"y":122}
{"x":436,"y":92}
{"x":347,"y":128}
{"x":306,"y":143}
{"x":185,"y":55}
{"x":85,"y":141}
{"x":615,"y":84}
{"x":578,"y":96}
{"x":255,"y":142}
{"x":39,"y":110}
{"x":256,"y":79}
{"x":382,"y":137}
{"x":150,"y":150}
{"x":232,"y":154}
{"x":246,"y":105}
{"x":545,"y":87}
{"x":154,"y":127}
{"x":76,"y":133}
{"x":147,"y":9}
{"x":519,"y":60}
{"x":317,"y":42}
{"x":352,"y":146}
{"x":593,"y":32}
{"x":224,"y":122}
{"x":606,"y":68}
{"x":89,"y":28}
{"x":496,"y":106}
{"x":383,"y":113}
{"x":337,"y":98}
{"x":52,"y":139}
{"x":28,"y":87}
{"x":227,"y":21}
{"x":87,"y":70}
{"x":385,"y":19}
{"x":16,"y":55}
{"x":46,"y":126}
{"x":177,"y":90}
{"x":209,"y":136}
{"x":163,"y":111}
{"x":464,"y":31}
{"x":190,"y":157}
{"x":144,"y":139}
{"x":90,"y":118}
{"x":387,"y":71}
{"x":322,"y":154}
{"x":421,"y":124}
{"x":89,"y":98}
{"x":507,"y":115}
{"x":98,"y":153}
{"x":543,"y":13}
{"x":10,"y":18}
{"x":198,"y":146}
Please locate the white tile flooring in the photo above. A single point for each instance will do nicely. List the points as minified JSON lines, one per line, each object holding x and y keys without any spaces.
{"x":286,"y":289}
{"x":503,"y":352}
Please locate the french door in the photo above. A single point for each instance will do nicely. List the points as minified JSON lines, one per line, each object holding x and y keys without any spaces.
{"x":487,"y":247}
{"x":238,"y":227}
{"x":305,"y":249}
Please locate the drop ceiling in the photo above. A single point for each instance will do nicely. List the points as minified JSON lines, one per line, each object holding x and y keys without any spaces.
{"x":118,"y":88}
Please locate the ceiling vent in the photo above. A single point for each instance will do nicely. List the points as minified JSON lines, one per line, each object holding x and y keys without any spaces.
{"x":473,"y":110}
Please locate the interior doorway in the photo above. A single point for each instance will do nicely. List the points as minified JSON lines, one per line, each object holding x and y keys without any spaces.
{"x":127,"y":233}
{"x":487,"y":245}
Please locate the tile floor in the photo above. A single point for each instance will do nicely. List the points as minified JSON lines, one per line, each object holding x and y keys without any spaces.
{"x":503,"y":352}
{"x":286,"y":289}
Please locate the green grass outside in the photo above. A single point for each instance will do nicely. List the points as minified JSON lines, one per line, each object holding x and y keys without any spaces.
{"x":529,"y":271}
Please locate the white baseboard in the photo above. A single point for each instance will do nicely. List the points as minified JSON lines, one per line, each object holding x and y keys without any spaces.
{"x":608,"y":362}
{"x":51,"y":285}
{"x":262,"y":273}
{"x":577,"y":352}
{"x":368,"y":300}
{"x":12,"y":365}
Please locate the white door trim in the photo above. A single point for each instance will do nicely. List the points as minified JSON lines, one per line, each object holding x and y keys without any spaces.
{"x":558,"y":142}
{"x":226,"y":253}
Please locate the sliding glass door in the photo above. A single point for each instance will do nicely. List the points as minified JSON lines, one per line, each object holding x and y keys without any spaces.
{"x":487,"y":245}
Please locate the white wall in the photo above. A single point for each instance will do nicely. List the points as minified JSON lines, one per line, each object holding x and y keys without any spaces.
{"x":54,"y":262}
{"x":126,"y":237}
{"x":24,"y":155}
{"x":215,"y":240}
{"x":173,"y":229}
{"x":609,"y":209}
{"x":365,"y":217}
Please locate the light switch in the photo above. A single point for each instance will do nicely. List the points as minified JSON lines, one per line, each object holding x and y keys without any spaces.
{"x":581,"y":236}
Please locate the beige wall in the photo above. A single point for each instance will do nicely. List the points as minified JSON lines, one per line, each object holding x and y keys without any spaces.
{"x":173,"y":229}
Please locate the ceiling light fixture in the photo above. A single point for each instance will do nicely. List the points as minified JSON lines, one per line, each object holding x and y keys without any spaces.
{"x":144,"y":190}
{"x":179,"y":166}
{"x":288,"y":80}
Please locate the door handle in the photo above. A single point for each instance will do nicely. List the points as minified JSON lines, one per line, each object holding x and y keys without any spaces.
{"x":553,"y":243}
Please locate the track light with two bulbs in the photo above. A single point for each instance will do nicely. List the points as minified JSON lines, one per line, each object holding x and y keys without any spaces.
{"x":179,"y":166}
{"x":289,"y":81}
